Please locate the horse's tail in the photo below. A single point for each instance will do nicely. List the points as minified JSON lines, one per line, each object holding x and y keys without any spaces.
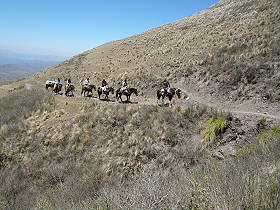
{"x":158,"y":94}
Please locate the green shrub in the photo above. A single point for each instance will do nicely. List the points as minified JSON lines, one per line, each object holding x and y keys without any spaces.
{"x":213,"y":128}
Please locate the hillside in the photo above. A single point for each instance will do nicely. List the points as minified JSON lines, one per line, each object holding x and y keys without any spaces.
{"x":225,"y":51}
{"x":217,"y":150}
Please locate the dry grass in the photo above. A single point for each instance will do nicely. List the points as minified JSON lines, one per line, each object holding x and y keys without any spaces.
{"x":127,"y":157}
{"x":252,"y":183}
{"x":113,"y":157}
{"x":103,"y":144}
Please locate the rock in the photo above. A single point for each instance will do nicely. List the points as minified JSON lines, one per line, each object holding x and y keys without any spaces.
{"x":218,"y":155}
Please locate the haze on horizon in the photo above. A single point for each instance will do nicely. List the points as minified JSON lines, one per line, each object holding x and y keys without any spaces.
{"x":66,"y":28}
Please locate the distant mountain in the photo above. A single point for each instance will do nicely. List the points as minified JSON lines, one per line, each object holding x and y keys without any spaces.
{"x":10,"y":57}
{"x":15,"y":65}
{"x":21,"y":70}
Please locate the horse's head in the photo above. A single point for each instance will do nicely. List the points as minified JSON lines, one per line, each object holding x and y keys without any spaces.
{"x":178,"y":92}
{"x":134,"y":90}
{"x":93,"y":87}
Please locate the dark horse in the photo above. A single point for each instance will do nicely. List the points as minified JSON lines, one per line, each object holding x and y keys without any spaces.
{"x":169,"y":94}
{"x":127,"y":93}
{"x":50,"y":84}
{"x":106,"y":91}
{"x":68,"y":89}
{"x":57,"y":88}
{"x":87,"y":89}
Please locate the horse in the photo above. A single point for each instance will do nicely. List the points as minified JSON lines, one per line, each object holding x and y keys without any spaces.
{"x":87,"y":89}
{"x":128,"y":92}
{"x":168,"y":93}
{"x":68,"y":89}
{"x":50,"y":84}
{"x":106,"y":91}
{"x":57,"y":88}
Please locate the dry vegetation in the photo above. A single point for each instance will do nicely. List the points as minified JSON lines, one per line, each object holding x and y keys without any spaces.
{"x":60,"y":153}
{"x":127,"y":157}
{"x":226,"y":50}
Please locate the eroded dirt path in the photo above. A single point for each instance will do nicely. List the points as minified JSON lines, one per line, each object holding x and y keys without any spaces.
{"x":249,"y":111}
{"x":253,"y":109}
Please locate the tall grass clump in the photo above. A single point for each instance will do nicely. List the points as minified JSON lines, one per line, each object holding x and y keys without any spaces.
{"x":212,"y":128}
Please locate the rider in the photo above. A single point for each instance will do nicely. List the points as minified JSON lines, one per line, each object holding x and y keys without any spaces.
{"x":166,"y":85}
{"x":68,"y":82}
{"x":86,"y":82}
{"x":57,"y":82}
{"x":124,"y":85}
{"x":104,"y":84}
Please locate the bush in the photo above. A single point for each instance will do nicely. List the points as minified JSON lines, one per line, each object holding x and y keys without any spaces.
{"x":213,"y":128}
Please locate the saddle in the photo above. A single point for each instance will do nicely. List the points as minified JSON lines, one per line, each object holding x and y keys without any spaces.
{"x":165,"y":90}
{"x":124,"y":89}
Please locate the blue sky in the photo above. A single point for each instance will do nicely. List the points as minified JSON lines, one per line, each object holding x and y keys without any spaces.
{"x":68,"y":27}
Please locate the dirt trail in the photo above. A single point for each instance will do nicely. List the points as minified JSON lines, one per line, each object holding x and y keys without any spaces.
{"x":246,"y":109}
{"x":250,"y":110}
{"x":256,"y":112}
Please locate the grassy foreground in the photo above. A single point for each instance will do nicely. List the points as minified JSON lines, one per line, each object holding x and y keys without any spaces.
{"x":113,"y":157}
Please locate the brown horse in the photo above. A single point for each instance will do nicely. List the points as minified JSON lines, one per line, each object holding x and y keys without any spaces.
{"x":168,"y":93}
{"x":87,"y":89}
{"x":68,"y":89}
{"x":106,"y":91}
{"x":127,"y":93}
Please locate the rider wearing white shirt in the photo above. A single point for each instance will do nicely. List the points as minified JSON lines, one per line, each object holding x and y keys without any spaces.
{"x":86,"y":82}
{"x":124,"y":85}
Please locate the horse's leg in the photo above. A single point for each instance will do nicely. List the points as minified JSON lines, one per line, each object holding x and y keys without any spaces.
{"x":170,"y":99}
{"x":158,"y":97}
{"x":126,"y":98}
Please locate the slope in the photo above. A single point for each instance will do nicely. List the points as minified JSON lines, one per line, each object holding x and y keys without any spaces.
{"x":230,"y":50}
